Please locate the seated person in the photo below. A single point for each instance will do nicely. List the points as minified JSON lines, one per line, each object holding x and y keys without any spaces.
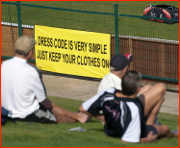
{"x":118,"y":67}
{"x":23,"y":91}
{"x":124,"y":112}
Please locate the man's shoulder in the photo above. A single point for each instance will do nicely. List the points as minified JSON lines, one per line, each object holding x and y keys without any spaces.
{"x":34,"y":70}
{"x":110,"y":77}
{"x":107,"y":82}
{"x":29,"y":69}
{"x":106,"y":93}
{"x":106,"y":79}
{"x":110,"y":90}
{"x":10,"y":62}
{"x":7,"y":61}
{"x":7,"y":65}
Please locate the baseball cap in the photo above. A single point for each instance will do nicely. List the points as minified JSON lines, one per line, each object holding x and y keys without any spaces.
{"x":120,"y":61}
{"x":25,"y":43}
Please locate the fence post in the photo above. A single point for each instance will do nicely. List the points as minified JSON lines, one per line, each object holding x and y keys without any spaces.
{"x":18,"y":4}
{"x":116,"y":29}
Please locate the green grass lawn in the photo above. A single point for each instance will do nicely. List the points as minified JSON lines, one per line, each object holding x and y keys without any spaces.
{"x":25,"y":134}
{"x":94,"y":22}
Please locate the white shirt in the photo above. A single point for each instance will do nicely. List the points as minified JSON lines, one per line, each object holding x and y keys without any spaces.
{"x":20,"y":83}
{"x":109,"y":80}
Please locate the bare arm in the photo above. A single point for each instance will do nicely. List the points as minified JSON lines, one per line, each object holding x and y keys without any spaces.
{"x":150,"y":138}
{"x":47,"y":103}
{"x":77,"y":116}
{"x":50,"y":105}
{"x":99,"y":116}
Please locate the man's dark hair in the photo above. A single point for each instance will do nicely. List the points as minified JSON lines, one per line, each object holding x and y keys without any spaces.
{"x":130,"y":82}
{"x":21,"y":52}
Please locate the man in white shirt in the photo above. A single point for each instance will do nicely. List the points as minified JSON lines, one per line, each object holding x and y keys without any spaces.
{"x":118,"y":66}
{"x":23,"y":92}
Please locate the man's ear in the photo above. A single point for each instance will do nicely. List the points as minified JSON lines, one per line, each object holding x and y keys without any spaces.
{"x":30,"y":54}
{"x":138,"y":90}
{"x":125,"y":69}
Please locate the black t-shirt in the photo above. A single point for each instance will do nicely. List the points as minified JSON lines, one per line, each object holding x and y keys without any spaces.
{"x":124,"y":118}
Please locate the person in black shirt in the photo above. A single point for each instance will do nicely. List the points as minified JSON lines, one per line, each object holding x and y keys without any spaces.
{"x":124,"y":113}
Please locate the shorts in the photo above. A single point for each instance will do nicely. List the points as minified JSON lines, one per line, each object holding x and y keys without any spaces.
{"x":149,"y":128}
{"x":42,"y":115}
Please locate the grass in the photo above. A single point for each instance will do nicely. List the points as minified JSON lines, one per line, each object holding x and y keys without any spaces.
{"x":94,"y":22}
{"x":24,"y":134}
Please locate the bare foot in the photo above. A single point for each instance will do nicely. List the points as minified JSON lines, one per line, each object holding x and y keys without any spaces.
{"x":175,"y":133}
{"x":83,"y":117}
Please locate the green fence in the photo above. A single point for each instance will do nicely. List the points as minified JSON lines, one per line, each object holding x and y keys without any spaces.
{"x":154,"y":45}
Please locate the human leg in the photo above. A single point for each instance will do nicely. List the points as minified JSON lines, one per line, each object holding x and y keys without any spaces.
{"x":154,"y":112}
{"x":165,"y":132}
{"x":42,"y":115}
{"x":68,"y":114}
{"x":144,"y":88}
{"x":152,"y":96}
{"x":64,"y":112}
{"x":91,"y":106}
{"x":63,"y":119}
